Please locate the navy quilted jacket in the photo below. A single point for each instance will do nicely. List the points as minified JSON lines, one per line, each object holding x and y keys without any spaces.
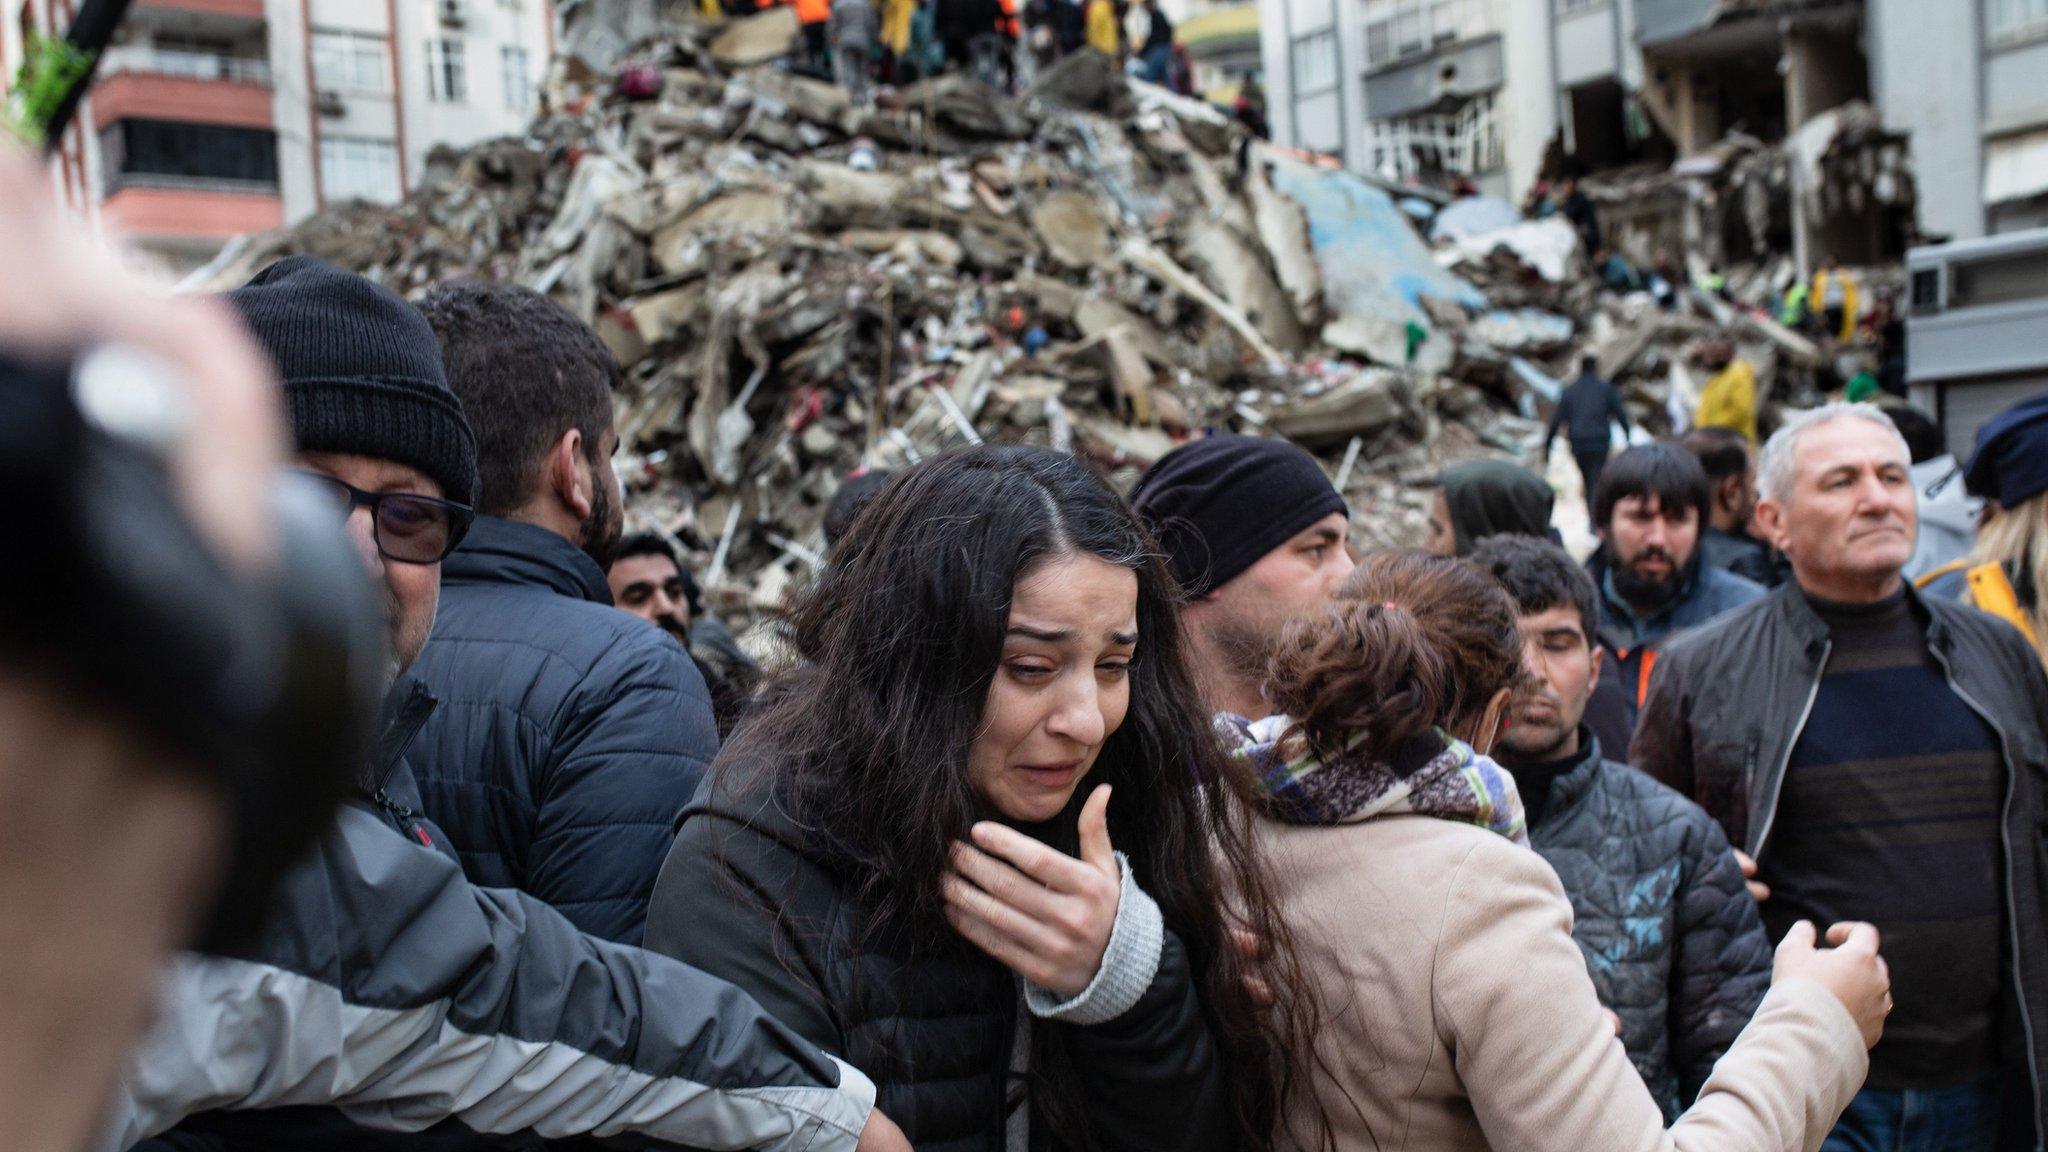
{"x":569,"y":736}
{"x":1674,"y":943}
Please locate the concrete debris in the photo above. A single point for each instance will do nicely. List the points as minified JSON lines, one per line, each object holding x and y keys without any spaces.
{"x":796,"y":288}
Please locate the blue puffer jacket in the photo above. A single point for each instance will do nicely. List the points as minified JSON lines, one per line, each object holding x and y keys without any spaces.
{"x":1673,"y":941}
{"x":569,"y":736}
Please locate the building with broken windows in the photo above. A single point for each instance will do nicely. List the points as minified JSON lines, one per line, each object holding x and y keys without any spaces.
{"x":1725,"y":130}
{"x":212,"y":118}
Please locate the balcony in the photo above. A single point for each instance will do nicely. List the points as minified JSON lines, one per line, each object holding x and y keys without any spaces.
{"x":189,"y":65}
{"x":234,"y":9}
{"x":150,"y":210}
{"x":196,"y":87}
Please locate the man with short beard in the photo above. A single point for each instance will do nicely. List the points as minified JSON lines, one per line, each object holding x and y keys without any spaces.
{"x":569,"y":734}
{"x":1650,"y":507}
{"x":1255,"y":534}
{"x":1730,"y":464}
{"x":1670,"y":935}
{"x":647,"y":579}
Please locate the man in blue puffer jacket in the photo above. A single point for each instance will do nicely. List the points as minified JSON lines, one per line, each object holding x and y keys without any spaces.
{"x":1670,"y":934}
{"x":569,"y":735}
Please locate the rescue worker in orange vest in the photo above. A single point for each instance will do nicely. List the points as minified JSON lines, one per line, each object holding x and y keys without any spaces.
{"x":813,"y":16}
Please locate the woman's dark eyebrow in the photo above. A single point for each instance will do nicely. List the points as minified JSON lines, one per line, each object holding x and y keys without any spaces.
{"x":1063,"y":636}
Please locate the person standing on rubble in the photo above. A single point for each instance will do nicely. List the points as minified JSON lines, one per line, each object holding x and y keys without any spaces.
{"x":1577,"y":207}
{"x":570,"y":734}
{"x":1882,"y":755}
{"x":1151,"y":37}
{"x":1255,"y":534}
{"x":924,"y":849}
{"x":853,"y":25}
{"x":1584,"y":410}
{"x":1104,"y":32}
{"x":813,"y":17}
{"x":1834,"y":297}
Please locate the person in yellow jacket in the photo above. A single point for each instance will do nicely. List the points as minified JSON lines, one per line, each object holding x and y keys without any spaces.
{"x":896,"y":16}
{"x":1834,"y":299}
{"x":1729,"y":399}
{"x":1103,"y":33}
{"x":2006,"y":574}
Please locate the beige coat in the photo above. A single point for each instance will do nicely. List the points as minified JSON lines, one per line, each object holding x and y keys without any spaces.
{"x":1458,"y":1013}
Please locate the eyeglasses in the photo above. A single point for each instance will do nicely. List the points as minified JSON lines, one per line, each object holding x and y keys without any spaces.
{"x":408,"y":528}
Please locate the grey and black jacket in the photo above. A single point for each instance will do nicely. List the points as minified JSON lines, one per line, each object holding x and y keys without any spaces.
{"x":1671,"y":937}
{"x":389,"y":995}
{"x":1727,"y":704}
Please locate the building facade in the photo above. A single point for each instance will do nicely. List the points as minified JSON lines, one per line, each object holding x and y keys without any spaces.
{"x":1498,"y":92}
{"x":211,"y":118}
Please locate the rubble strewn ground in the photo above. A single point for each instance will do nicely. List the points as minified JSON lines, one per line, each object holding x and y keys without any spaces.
{"x":797,"y":288}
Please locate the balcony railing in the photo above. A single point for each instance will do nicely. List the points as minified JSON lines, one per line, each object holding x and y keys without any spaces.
{"x":189,"y":65}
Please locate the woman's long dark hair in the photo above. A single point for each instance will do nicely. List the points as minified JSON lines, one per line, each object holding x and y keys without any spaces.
{"x":867,"y":742}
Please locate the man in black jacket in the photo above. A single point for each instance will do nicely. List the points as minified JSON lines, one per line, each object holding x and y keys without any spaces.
{"x":388,"y":995}
{"x":647,"y":579}
{"x":1671,"y":938}
{"x":1882,"y":757}
{"x":569,"y":735}
{"x":1584,"y":410}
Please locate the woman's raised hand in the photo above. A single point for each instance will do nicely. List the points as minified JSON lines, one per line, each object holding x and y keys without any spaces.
{"x":1044,"y":914}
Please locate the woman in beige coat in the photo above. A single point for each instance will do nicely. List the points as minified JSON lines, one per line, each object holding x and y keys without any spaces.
{"x":1456,"y":1013}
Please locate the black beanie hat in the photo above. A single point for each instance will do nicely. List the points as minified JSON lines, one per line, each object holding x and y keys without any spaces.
{"x":1220,"y":504}
{"x":362,"y":371}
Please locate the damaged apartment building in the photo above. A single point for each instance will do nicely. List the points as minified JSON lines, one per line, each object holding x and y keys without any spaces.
{"x":1719,"y":132}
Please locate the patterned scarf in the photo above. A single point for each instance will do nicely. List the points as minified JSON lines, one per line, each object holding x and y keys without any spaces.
{"x":1450,"y":783}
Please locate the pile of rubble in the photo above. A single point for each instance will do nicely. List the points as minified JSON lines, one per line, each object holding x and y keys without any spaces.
{"x":798,"y":288}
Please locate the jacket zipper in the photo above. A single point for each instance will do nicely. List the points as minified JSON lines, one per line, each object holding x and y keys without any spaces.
{"x":1827,"y":649}
{"x":2011,"y":897}
{"x":406,"y":819}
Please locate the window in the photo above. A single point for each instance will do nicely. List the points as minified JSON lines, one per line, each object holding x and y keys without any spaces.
{"x":446,"y":81}
{"x":350,"y":62}
{"x":1397,"y":29}
{"x":1315,"y":62}
{"x":2006,"y":21}
{"x":358,"y":169}
{"x":1465,"y":143}
{"x":518,"y":78}
{"x":165,"y":151}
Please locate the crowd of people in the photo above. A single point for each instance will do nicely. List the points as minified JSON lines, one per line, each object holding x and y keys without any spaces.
{"x":1003,"y":43}
{"x":1076,"y":820}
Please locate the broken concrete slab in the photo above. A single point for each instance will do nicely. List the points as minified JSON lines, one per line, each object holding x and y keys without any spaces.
{"x":766,"y":35}
{"x":1228,"y":263}
{"x":1367,"y":402}
{"x":1282,"y":228}
{"x":1072,"y":229}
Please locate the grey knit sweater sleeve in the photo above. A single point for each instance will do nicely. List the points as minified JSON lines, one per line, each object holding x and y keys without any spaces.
{"x":1128,"y":964}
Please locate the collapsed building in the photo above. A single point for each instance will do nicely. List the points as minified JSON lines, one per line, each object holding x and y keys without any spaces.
{"x":797,"y":287}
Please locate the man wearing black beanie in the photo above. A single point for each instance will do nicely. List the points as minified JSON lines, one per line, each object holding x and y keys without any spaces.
{"x":389,"y":995}
{"x":1255,"y":534}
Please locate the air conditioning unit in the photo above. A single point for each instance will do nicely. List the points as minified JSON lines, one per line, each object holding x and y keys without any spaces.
{"x":330,"y":102}
{"x":452,"y":12}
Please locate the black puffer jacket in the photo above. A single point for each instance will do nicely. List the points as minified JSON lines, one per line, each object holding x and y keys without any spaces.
{"x":747,"y":895}
{"x":1672,"y":939}
{"x":570,"y":734}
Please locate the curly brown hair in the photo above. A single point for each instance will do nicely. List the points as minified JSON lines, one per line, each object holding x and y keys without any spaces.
{"x":1413,"y":642}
